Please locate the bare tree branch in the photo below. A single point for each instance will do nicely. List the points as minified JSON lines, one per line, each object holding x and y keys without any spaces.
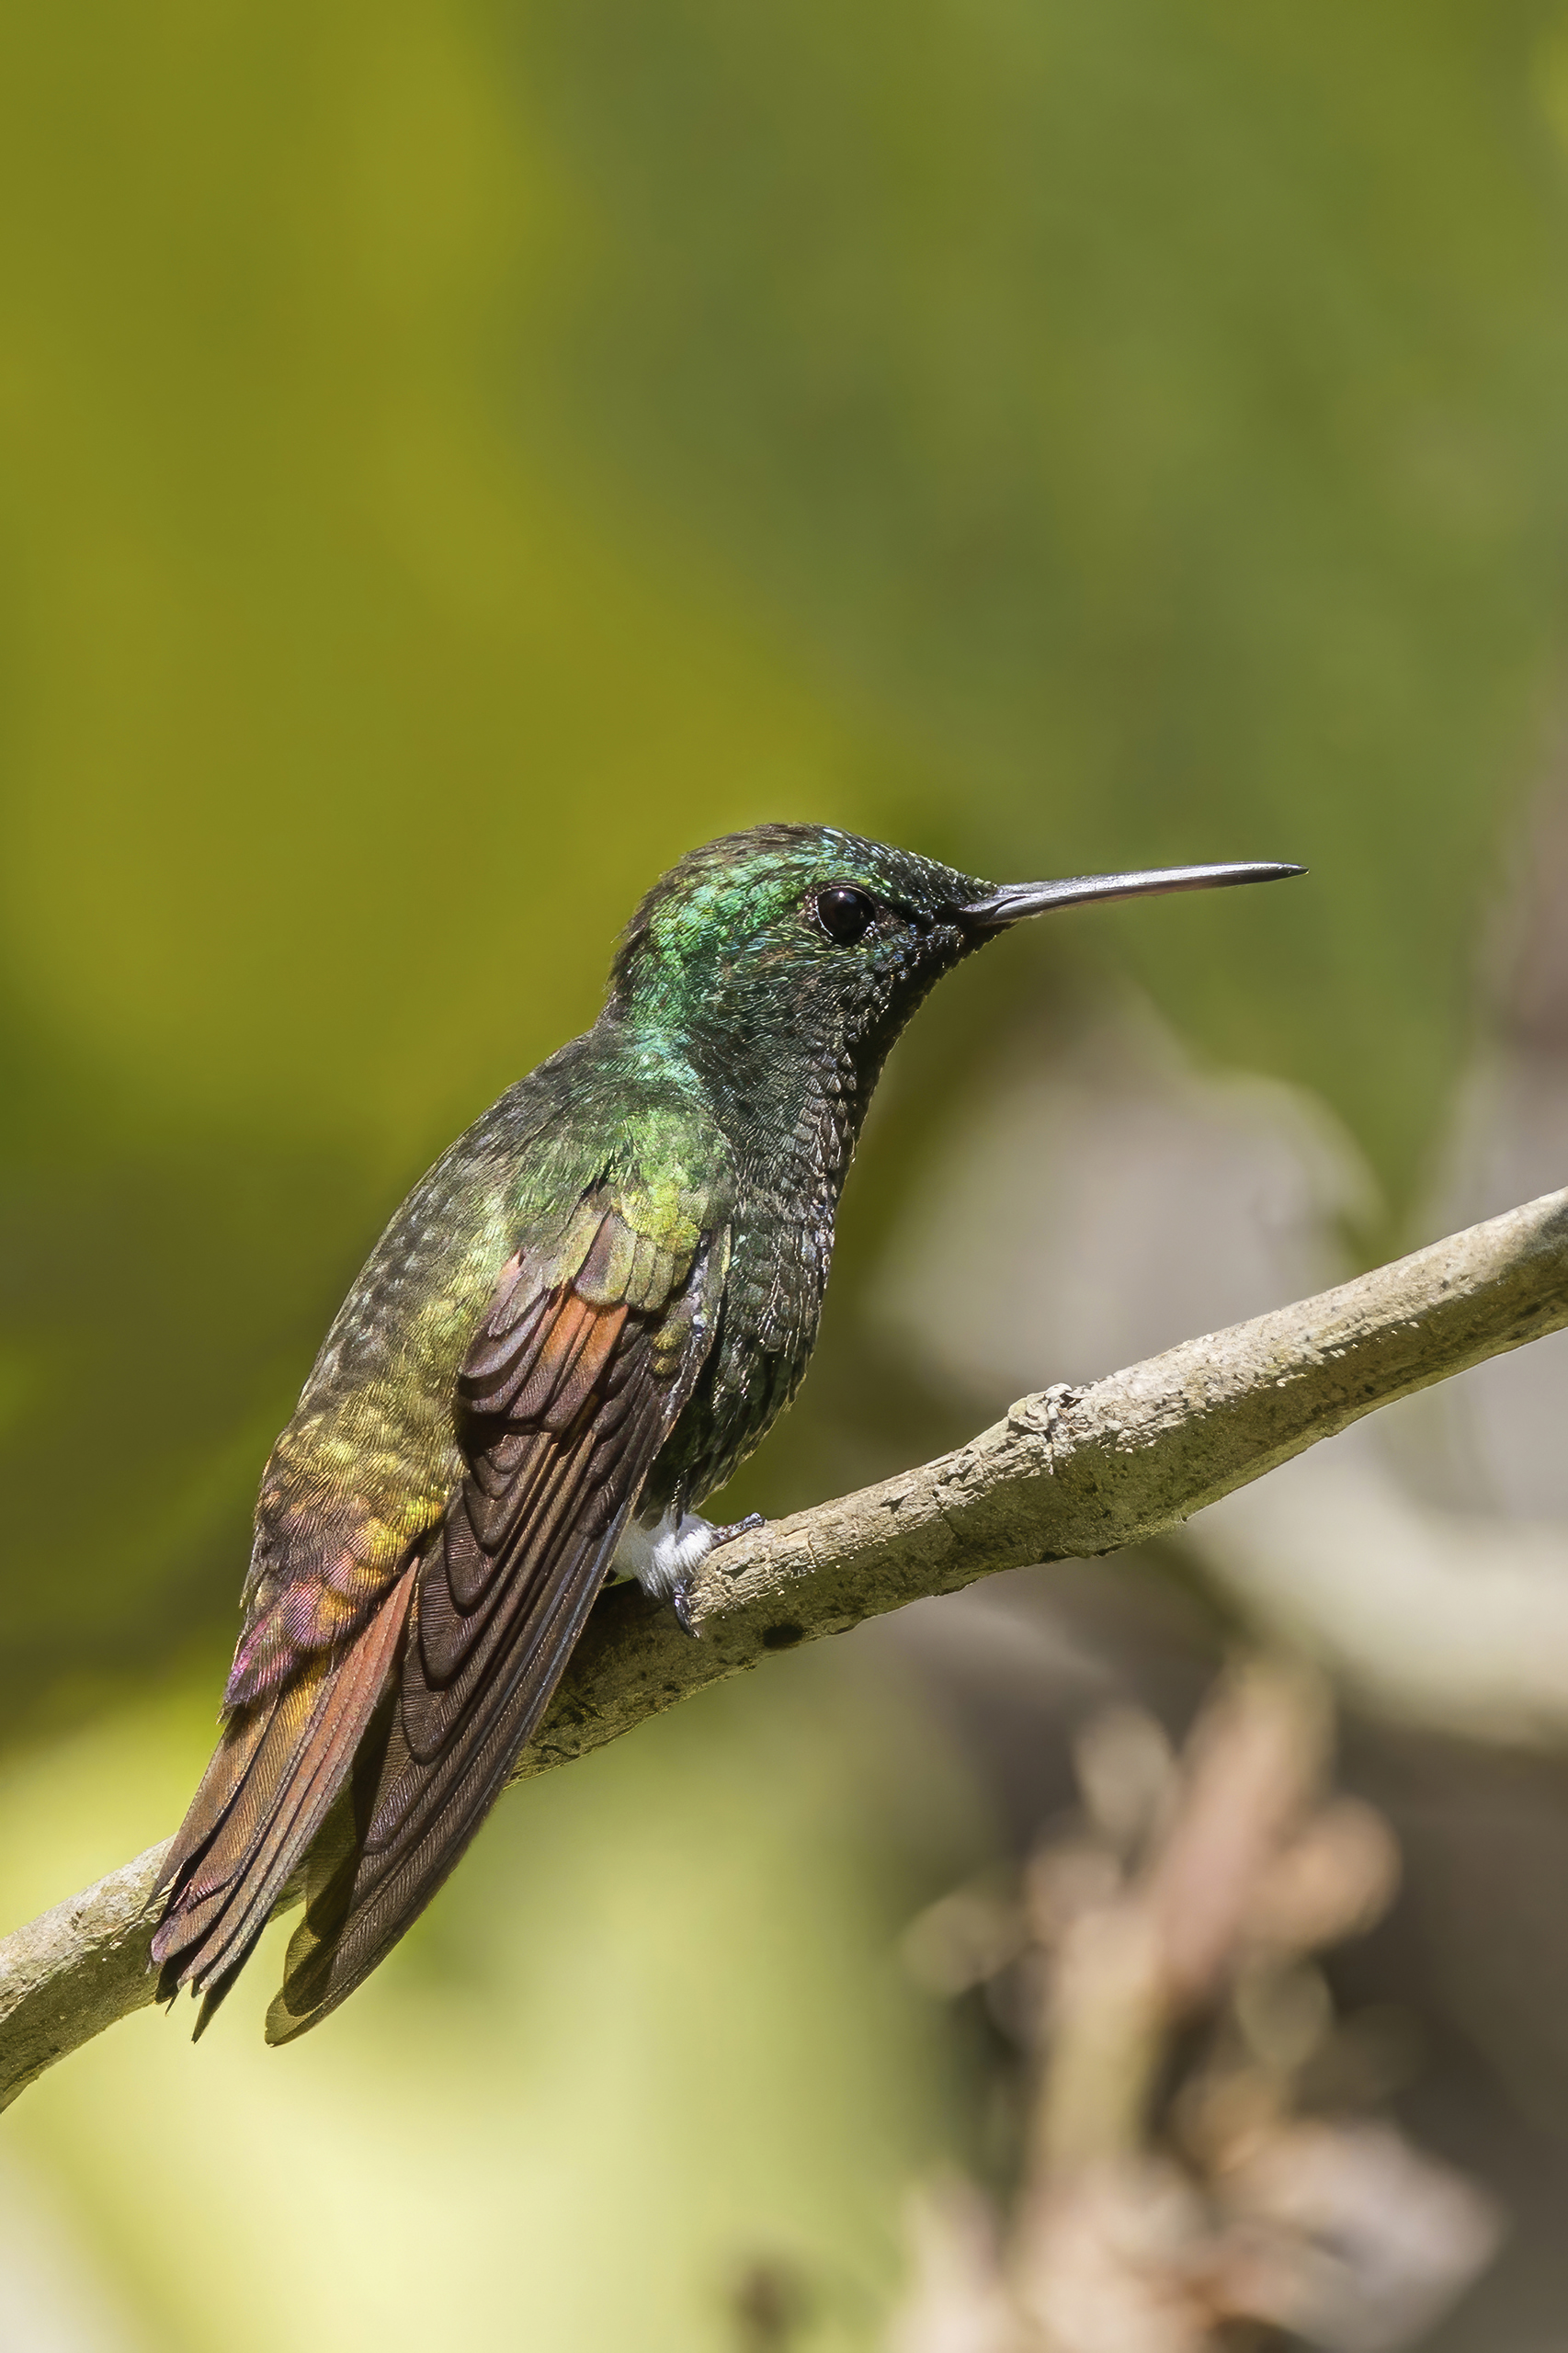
{"x":1067,"y":1474}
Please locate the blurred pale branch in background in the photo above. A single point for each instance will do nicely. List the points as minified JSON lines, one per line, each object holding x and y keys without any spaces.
{"x":1067,"y":1474}
{"x":1164,"y":2196}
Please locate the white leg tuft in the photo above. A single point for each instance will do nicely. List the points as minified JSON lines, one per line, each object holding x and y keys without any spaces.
{"x":662,"y":1557}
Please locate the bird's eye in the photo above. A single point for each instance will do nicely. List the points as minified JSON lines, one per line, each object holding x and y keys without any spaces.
{"x":846,"y":914}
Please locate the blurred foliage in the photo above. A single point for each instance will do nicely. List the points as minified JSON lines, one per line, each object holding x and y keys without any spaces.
{"x":1151,"y":417}
{"x":654,"y":2033}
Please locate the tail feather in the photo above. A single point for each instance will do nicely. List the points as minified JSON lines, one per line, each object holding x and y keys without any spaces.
{"x":263,"y":1799}
{"x":361,"y":1897}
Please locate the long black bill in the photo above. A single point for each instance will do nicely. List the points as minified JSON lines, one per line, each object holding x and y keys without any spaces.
{"x":1011,"y":901}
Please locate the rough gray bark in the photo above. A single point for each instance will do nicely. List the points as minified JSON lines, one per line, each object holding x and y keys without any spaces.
{"x":1066,"y":1475}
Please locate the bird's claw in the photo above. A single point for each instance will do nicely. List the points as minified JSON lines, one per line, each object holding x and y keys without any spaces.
{"x":727,"y":1535}
{"x":680,"y":1602}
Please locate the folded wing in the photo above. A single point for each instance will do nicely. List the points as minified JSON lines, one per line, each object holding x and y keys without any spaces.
{"x":440,"y":1667}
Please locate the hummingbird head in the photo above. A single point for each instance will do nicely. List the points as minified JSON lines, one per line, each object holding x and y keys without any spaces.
{"x":791,"y":950}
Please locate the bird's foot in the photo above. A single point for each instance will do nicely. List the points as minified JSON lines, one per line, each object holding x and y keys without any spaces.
{"x":681,"y":1593}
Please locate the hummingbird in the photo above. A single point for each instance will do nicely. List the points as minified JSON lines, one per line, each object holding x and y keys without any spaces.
{"x":574,"y":1329}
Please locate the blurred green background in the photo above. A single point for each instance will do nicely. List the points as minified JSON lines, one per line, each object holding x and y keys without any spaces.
{"x":454,"y":458}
